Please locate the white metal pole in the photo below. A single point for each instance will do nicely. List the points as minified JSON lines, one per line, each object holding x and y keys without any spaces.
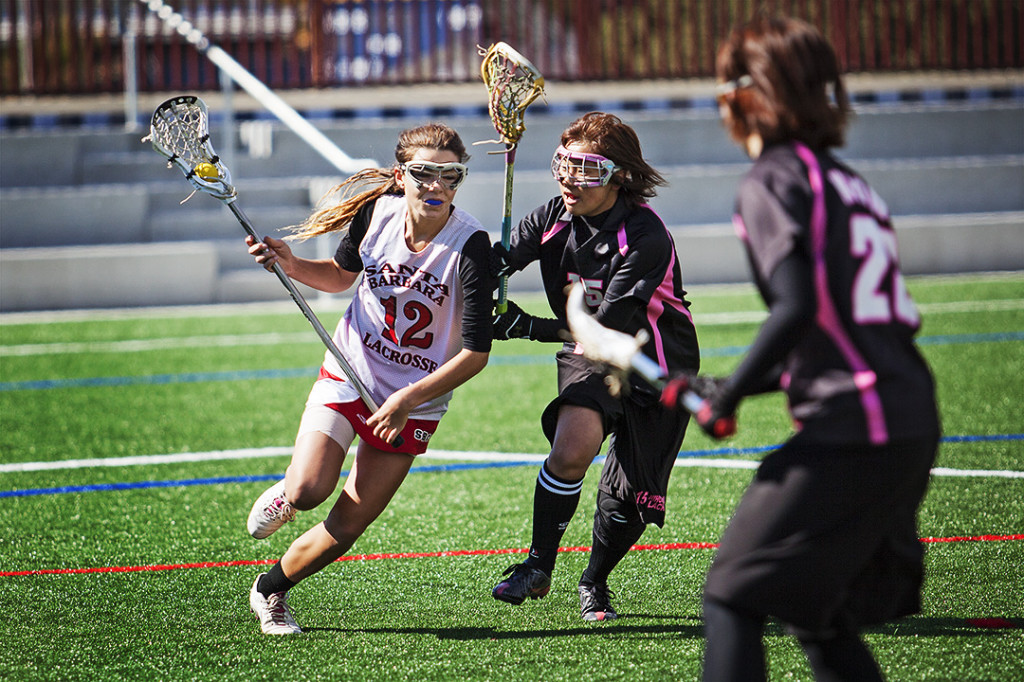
{"x":131,"y":85}
{"x":248,"y":82}
{"x":227,"y":87}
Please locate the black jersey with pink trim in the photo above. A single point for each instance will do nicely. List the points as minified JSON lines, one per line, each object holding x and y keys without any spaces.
{"x":628,"y":264}
{"x":856,"y":376}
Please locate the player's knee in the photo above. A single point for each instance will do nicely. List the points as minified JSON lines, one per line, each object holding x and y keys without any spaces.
{"x":569,"y":463}
{"x":306,"y":494}
{"x":344,"y":528}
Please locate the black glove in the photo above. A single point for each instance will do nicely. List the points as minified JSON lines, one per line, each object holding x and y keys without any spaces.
{"x":707,"y":398}
{"x":500,"y":261}
{"x":512,"y":324}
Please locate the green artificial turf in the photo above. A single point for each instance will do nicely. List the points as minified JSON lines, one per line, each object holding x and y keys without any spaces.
{"x":142,"y":571}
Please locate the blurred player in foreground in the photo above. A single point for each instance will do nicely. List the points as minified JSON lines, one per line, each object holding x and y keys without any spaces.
{"x":419,"y":325}
{"x":600,"y":231}
{"x":825,"y":538}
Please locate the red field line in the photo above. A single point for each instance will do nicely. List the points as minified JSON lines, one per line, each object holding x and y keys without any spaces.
{"x":425,"y":555}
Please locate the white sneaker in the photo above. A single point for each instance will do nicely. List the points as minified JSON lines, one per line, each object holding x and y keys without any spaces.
{"x":273,"y":612}
{"x":270,"y":511}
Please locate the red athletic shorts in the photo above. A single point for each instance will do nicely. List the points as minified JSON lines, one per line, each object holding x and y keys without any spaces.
{"x":415,"y":435}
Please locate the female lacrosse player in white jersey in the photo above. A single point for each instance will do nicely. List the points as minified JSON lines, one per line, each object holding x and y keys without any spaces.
{"x":419,"y":325}
{"x":599,"y":230}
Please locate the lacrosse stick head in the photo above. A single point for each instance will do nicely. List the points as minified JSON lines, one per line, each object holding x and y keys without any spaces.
{"x":180,"y":131}
{"x":599,"y":343}
{"x":513,"y":83}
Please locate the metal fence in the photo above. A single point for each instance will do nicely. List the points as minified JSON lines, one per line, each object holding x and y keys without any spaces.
{"x":57,"y":47}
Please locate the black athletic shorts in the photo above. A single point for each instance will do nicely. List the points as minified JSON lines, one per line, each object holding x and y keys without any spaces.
{"x":644,"y":437}
{"x":825,"y":537}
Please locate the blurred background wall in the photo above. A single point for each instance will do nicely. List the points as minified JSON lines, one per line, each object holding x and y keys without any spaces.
{"x":90,"y":217}
{"x":61,"y":47}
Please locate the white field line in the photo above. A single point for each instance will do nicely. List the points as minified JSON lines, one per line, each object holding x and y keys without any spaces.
{"x":138,"y":345}
{"x":250,"y":453}
{"x":269,"y":339}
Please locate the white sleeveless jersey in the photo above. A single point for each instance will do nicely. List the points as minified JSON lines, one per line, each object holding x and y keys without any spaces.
{"x":405,"y":320}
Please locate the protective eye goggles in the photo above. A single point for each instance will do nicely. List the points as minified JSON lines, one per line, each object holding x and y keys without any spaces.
{"x":723,"y":90}
{"x":423,"y":173}
{"x":581,"y":169}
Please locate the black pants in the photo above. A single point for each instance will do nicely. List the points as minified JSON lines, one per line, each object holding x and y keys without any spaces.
{"x":825,"y":537}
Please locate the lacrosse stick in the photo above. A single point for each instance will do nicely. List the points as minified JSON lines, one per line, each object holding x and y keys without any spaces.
{"x":622,"y":351}
{"x":180,"y":132}
{"x":513,"y":83}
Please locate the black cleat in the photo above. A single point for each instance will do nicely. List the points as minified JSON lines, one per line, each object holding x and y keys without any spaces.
{"x":596,"y":602}
{"x":524,"y":582}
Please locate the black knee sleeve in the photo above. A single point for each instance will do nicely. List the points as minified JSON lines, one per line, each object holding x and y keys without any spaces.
{"x":617,"y":524}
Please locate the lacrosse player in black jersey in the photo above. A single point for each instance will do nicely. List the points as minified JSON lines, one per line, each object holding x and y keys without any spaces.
{"x":824,"y":539}
{"x":600,"y":231}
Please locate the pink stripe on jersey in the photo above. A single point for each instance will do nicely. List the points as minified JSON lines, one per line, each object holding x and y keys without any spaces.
{"x":555,"y":229}
{"x":664,"y":295}
{"x":828,"y":319}
{"x":623,"y":245}
{"x":740,"y":228}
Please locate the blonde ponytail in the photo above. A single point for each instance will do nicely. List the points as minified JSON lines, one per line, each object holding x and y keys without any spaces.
{"x":331,"y":218}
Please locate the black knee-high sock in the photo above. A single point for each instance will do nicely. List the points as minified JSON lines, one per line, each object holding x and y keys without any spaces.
{"x":733,"y":651}
{"x":273,"y":581}
{"x":604,"y":558}
{"x":844,"y":658}
{"x":616,"y":530}
{"x":554,"y":502}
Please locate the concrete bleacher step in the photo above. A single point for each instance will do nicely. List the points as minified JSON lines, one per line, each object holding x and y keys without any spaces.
{"x":696,"y":194}
{"x":928,"y":244}
{"x":73,"y":215}
{"x":173,"y":190}
{"x":232,"y":253}
{"x":99,"y":208}
{"x":112,"y":275}
{"x":220,"y":271}
{"x":711,"y":253}
{"x":217,"y":222}
{"x":255,"y":285}
{"x":668,"y":137}
{"x":701,"y":194}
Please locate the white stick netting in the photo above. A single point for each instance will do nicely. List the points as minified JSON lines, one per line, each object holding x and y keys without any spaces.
{"x":179,"y":131}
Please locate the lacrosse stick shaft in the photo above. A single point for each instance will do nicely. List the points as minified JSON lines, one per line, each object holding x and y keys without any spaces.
{"x":506,"y":224}
{"x":619,"y":350}
{"x":648,"y":369}
{"x":651,"y":372}
{"x":310,"y":315}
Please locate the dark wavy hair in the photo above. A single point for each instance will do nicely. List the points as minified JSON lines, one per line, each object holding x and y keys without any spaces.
{"x":607,"y":135}
{"x":795,"y":92}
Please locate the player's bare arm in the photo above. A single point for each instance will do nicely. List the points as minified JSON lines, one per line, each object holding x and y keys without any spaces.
{"x":390,"y":419}
{"x":323,"y":274}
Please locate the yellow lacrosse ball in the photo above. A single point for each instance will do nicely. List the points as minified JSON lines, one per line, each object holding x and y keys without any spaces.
{"x":207,"y":171}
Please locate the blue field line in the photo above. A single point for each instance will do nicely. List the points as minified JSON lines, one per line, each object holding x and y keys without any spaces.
{"x":498,"y":360}
{"x":430,"y":469}
{"x":158,"y":379}
{"x":947,"y":339}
